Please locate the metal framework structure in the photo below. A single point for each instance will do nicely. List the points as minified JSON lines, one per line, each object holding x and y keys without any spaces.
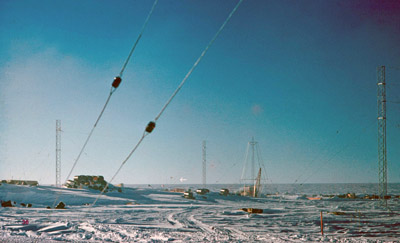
{"x":204,"y":164}
{"x":249,"y":175}
{"x":58,"y":153}
{"x":252,"y":143}
{"x":382,"y":159}
{"x":250,"y":180}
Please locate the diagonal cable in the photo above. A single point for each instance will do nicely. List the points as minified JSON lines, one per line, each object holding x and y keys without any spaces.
{"x":198,"y":60}
{"x":137,"y":40}
{"x":115,"y":84}
{"x":152,"y":124}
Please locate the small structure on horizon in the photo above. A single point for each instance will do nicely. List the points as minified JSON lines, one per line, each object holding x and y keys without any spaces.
{"x":224,"y":192}
{"x":21,"y":182}
{"x":188,"y":194}
{"x":179,"y":190}
{"x":89,"y":182}
{"x":202,"y":191}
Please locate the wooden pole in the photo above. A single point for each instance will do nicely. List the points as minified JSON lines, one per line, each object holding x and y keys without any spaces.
{"x":322,"y":225}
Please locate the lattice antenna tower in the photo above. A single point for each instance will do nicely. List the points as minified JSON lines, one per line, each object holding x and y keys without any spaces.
{"x":204,"y":163}
{"x":382,"y":159}
{"x":58,"y":153}
{"x":253,"y":145}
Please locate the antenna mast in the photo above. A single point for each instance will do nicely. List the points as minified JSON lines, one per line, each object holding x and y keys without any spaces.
{"x":253,"y":144}
{"x":58,"y":153}
{"x":382,"y":160}
{"x":204,"y":163}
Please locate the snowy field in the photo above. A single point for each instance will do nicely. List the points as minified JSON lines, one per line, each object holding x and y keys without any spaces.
{"x":151,"y":214}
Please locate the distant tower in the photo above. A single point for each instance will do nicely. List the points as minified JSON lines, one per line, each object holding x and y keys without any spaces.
{"x":251,"y":181}
{"x":252,"y":144}
{"x":58,"y":153}
{"x":382,"y":160}
{"x":204,"y":163}
{"x":249,"y":160}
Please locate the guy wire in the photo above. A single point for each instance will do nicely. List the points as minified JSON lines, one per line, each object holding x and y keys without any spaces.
{"x":113,"y":88}
{"x":151,"y":124}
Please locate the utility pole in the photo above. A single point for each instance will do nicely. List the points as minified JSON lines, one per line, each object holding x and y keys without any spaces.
{"x":382,"y":159}
{"x":204,"y":163}
{"x":58,"y":153}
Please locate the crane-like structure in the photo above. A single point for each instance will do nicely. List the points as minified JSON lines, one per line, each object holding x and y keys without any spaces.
{"x":382,"y":159}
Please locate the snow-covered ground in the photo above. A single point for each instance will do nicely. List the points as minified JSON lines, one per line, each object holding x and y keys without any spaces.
{"x":155,"y":215}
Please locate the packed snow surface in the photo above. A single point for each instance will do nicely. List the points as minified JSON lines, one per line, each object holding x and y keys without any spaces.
{"x":153,"y":214}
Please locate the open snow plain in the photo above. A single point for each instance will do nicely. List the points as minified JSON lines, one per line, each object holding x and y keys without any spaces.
{"x":155,"y":215}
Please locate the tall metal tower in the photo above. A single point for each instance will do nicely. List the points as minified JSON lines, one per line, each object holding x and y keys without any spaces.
{"x":58,"y":153}
{"x":252,"y":144}
{"x":249,"y":175}
{"x":251,"y":181}
{"x":204,"y":163}
{"x":382,"y":160}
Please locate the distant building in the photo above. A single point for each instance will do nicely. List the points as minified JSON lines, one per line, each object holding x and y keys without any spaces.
{"x":224,"y":192}
{"x":180,"y":190}
{"x":89,"y":182}
{"x":21,"y":182}
{"x":202,"y":191}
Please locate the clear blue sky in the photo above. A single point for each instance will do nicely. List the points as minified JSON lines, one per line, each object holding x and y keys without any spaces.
{"x":299,"y":76}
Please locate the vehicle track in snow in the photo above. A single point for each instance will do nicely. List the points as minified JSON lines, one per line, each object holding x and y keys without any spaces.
{"x":163,"y":216}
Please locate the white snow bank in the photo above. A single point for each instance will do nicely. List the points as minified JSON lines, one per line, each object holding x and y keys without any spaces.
{"x":154,"y":215}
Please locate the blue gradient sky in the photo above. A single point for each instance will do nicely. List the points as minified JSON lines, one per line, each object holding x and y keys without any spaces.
{"x":299,"y":76}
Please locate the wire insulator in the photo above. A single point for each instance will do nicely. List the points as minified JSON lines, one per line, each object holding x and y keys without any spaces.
{"x":150,"y":126}
{"x":116,"y":82}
